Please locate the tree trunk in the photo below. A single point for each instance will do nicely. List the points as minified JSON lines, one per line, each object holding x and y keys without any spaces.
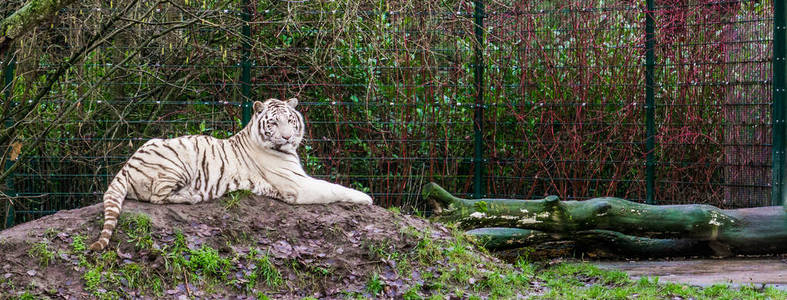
{"x":620,"y":226}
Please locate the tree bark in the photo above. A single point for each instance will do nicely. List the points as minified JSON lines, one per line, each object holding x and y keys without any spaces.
{"x":27,"y":17}
{"x":622,"y":226}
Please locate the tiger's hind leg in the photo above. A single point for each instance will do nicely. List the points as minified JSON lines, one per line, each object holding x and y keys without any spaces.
{"x":167,"y":189}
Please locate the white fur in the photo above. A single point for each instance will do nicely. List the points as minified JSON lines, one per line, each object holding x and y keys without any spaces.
{"x":262,"y":158}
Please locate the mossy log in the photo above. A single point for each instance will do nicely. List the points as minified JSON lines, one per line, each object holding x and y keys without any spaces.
{"x":27,"y":17}
{"x":618,"y":225}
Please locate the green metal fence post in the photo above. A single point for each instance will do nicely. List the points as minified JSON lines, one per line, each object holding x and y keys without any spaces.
{"x":650,"y":105}
{"x":778,"y":105}
{"x":478,"y":120}
{"x":245,"y":78}
{"x":9,"y":78}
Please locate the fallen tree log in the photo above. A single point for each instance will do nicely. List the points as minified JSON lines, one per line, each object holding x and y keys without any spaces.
{"x":621,"y":226}
{"x":26,"y":18}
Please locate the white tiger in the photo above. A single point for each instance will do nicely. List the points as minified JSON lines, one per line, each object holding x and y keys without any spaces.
{"x":261,"y":158}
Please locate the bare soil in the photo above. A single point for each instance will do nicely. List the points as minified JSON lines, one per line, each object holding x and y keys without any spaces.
{"x":321,"y":250}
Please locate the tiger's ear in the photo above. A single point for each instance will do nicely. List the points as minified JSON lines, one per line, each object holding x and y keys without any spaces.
{"x":258,"y":106}
{"x":293,"y":102}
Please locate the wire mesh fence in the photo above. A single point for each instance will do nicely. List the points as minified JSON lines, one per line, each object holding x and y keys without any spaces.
{"x":553,"y":100}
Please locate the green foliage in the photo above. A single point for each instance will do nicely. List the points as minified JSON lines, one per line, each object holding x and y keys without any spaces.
{"x":584,"y":281}
{"x":412,"y":293}
{"x":261,"y":296}
{"x":78,"y":244}
{"x":427,"y":251}
{"x":208,"y":261}
{"x":27,"y":296}
{"x":232,"y":199}
{"x":42,"y":252}
{"x":263,"y":271}
{"x":137,"y":228}
{"x":92,"y":278}
{"x":374,"y":285}
{"x":482,"y":206}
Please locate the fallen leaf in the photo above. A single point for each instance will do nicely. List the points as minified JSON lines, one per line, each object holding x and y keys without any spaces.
{"x":16,"y":149}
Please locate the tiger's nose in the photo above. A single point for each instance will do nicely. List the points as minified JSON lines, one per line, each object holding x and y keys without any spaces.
{"x":286,"y":136}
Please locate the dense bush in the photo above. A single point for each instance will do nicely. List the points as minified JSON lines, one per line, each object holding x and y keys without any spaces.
{"x":388,"y":90}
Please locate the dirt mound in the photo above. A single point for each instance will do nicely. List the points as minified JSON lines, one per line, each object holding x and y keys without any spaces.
{"x":250,"y":247}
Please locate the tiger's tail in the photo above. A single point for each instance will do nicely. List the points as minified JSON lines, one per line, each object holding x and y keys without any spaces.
{"x":113,"y":203}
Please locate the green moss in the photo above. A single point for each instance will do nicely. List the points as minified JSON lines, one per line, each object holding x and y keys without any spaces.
{"x":481,"y":206}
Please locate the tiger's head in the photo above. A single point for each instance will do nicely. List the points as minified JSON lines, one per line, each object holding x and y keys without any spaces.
{"x":277,"y":125}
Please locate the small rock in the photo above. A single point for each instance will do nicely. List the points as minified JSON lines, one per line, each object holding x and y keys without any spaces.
{"x":7,"y":275}
{"x":32,"y":272}
{"x":63,"y":236}
{"x":124,"y":255}
{"x":282,"y":249}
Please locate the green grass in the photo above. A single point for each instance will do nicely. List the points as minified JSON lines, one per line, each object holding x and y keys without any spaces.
{"x":458,"y":266}
{"x":374,"y":285}
{"x":412,"y":293}
{"x":449,"y":268}
{"x":207,"y":260}
{"x":78,"y":244}
{"x":137,"y":228}
{"x":232,"y":199}
{"x":92,"y":278}
{"x":461,"y":272}
{"x":585,"y":281}
{"x":264,"y":271}
{"x":42,"y":253}
{"x":27,"y":296}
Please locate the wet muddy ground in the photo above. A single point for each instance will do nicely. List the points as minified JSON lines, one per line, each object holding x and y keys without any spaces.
{"x":769,"y":271}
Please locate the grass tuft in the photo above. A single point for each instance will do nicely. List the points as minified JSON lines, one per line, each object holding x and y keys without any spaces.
{"x":137,"y":227}
{"x":208,"y":261}
{"x":375,"y":285}
{"x":263,"y":271}
{"x":42,"y":252}
{"x":232,"y":199}
{"x":78,"y":244}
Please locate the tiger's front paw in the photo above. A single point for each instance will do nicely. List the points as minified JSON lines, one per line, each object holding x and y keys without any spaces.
{"x":360,"y":198}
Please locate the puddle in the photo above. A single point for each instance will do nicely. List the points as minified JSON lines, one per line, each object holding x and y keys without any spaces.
{"x":706,"y":272}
